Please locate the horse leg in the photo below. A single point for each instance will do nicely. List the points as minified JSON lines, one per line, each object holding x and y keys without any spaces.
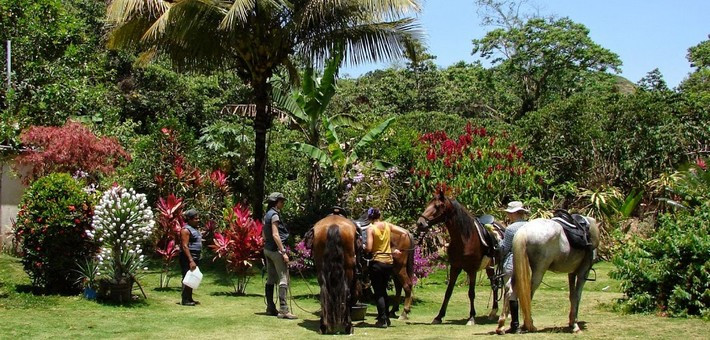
{"x":575,"y":295}
{"x":453,"y":276}
{"x":491,"y":277}
{"x":397,"y":298}
{"x":471,"y":297}
{"x":407,"y":286}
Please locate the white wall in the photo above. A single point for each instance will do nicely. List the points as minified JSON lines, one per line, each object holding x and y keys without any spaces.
{"x":11,"y":190}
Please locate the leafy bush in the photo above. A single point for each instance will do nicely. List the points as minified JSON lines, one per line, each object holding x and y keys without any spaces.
{"x":123,"y":224}
{"x":669,"y":272}
{"x":52,"y":228}
{"x":69,"y":148}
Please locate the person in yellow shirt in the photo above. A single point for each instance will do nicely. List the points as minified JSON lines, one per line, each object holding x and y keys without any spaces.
{"x":378,"y":244}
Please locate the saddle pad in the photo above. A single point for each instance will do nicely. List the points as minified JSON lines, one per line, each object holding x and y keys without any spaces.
{"x":576,"y":236}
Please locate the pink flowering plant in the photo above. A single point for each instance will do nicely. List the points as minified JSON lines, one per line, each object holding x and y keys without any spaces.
{"x":478,"y":167}
{"x":425,"y":263}
{"x":300,"y":256}
{"x":239,"y":243}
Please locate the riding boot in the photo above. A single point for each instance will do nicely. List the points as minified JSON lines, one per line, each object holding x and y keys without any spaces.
{"x":283,"y":303}
{"x":515,"y":322}
{"x":270,"y":306}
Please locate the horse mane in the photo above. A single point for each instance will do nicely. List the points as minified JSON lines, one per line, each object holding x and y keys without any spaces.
{"x":464,"y":219}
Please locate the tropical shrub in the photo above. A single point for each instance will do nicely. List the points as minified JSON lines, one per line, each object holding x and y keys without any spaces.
{"x":52,"y":229}
{"x":123,"y":225}
{"x":69,"y":148}
{"x":170,"y":222}
{"x":240,"y":244}
{"x":480,"y":168}
{"x":668,"y":273}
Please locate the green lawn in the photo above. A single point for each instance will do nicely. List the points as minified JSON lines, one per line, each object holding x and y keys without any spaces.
{"x":223,"y":315}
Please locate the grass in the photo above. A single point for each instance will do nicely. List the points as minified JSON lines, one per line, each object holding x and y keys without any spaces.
{"x":224,"y":315}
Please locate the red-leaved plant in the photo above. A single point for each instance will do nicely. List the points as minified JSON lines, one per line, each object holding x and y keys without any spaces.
{"x":70,"y":148}
{"x":240,"y":243}
{"x":170,"y":223}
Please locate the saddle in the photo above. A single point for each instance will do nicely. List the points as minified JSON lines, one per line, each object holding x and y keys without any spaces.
{"x":576,"y":229}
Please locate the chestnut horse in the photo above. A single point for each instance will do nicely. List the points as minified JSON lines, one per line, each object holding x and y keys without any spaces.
{"x":402,"y":267}
{"x":336,"y":247}
{"x":466,"y":250}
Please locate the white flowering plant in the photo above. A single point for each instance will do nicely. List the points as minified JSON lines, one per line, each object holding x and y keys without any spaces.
{"x":123,"y":223}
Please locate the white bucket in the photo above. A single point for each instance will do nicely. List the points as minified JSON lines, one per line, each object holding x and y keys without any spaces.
{"x":193,"y":278}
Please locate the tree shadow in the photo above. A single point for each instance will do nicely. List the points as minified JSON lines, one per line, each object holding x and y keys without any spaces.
{"x":233,"y":294}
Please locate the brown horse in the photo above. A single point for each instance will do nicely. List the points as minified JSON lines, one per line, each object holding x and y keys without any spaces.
{"x":402,"y":269}
{"x":335,"y":249}
{"x":466,"y":250}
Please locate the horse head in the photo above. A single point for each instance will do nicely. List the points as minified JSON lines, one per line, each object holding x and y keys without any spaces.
{"x":435,"y":212}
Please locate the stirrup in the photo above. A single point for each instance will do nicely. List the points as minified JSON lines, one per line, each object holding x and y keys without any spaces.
{"x":591,"y":270}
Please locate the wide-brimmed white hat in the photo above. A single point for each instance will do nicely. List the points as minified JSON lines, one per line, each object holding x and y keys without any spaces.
{"x":515,"y":206}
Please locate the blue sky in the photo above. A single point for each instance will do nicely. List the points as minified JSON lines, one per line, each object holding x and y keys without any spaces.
{"x":646,"y":34}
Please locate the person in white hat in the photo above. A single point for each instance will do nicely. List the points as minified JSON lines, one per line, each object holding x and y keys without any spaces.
{"x":516,"y":214}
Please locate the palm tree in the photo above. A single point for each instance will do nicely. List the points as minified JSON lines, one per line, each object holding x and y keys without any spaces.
{"x":255,"y":38}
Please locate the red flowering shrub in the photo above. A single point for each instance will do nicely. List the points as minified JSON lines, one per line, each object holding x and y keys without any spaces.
{"x":51,"y":228}
{"x":69,"y":148}
{"x":170,"y":222}
{"x":240,"y":243}
{"x":480,"y":168}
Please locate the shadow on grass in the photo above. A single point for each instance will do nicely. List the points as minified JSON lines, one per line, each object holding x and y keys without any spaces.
{"x":311,"y":325}
{"x":233,"y":294}
{"x":136,"y":302}
{"x":305,"y":296}
{"x":168,"y":289}
{"x":562,"y":329}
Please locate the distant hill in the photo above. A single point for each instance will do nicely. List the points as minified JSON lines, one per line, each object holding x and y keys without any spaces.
{"x":624,"y":85}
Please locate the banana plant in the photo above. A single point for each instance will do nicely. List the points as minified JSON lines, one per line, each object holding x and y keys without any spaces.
{"x":307,"y":107}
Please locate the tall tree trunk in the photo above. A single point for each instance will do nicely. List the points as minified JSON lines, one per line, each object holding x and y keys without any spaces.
{"x":262,"y":123}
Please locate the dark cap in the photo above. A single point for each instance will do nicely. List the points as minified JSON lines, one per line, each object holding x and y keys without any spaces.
{"x":192,"y":213}
{"x":275,"y":196}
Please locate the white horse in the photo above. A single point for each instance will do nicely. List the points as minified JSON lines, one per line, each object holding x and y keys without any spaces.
{"x":542,"y":245}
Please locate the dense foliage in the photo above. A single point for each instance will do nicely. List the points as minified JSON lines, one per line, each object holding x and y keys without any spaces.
{"x":669,"y":272}
{"x":52,"y":229}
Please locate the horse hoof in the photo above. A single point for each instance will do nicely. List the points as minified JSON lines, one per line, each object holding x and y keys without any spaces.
{"x":500,"y":331}
{"x":436,"y":321}
{"x":576,"y":329}
{"x":403,"y":317}
{"x":493,"y":315}
{"x":471,"y":322}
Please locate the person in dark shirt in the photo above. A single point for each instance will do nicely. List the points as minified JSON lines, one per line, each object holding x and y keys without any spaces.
{"x":190,"y":249}
{"x":275,"y":235}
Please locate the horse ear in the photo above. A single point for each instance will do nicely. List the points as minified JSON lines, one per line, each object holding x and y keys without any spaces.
{"x":441,"y":195}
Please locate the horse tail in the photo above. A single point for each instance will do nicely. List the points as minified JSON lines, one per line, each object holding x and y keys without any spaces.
{"x":522,"y":274}
{"x":410,"y":256}
{"x":334,"y":289}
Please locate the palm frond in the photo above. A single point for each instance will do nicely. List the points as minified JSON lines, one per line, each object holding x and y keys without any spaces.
{"x":367,"y":42}
{"x":122,"y":11}
{"x":238,"y":13}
